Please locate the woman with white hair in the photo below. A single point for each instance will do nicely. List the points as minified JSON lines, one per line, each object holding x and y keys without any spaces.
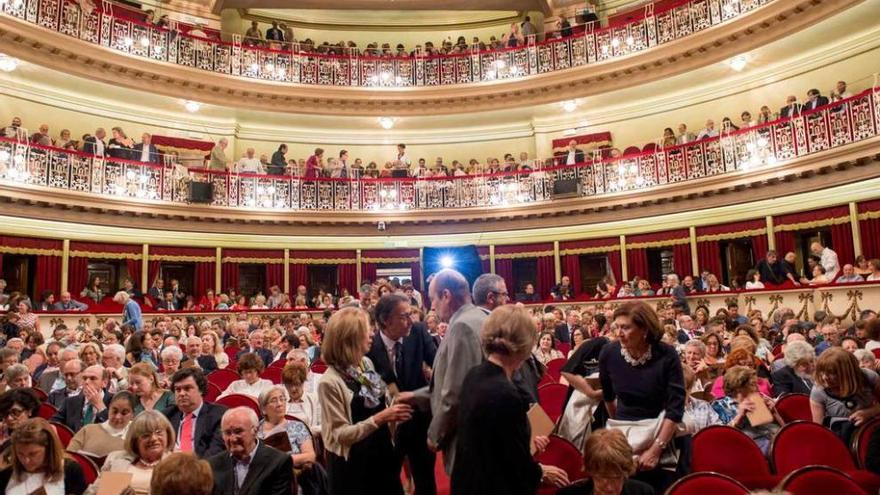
{"x":797,"y":374}
{"x":171,"y":357}
{"x":131,"y":310}
{"x":866,"y":358}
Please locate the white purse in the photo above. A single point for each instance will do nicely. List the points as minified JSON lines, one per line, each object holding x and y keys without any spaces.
{"x":641,"y":435}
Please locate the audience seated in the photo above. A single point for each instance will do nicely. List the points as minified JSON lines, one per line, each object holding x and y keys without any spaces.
{"x":741,"y":393}
{"x":101,"y":439}
{"x":36,"y":460}
{"x":609,"y":461}
{"x":844,"y":395}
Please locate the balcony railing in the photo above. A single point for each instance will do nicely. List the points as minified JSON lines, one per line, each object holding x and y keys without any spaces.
{"x":234,"y":58}
{"x":767,"y":145}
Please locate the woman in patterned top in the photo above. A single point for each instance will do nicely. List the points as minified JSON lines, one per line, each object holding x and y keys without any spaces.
{"x":273,"y":404}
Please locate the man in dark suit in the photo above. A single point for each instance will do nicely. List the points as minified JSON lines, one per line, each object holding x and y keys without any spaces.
{"x":565,"y":330}
{"x":255,"y":345}
{"x":196,"y":422}
{"x":95,"y":145}
{"x":71,"y":371}
{"x":815,"y":100}
{"x":791,"y":108}
{"x":249,"y":467}
{"x":771,"y":269}
{"x":279,"y":161}
{"x":194,"y":356}
{"x":90,"y":405}
{"x":169,"y":303}
{"x":795,"y":376}
{"x":571,"y":156}
{"x":401,"y":351}
{"x":145,"y":151}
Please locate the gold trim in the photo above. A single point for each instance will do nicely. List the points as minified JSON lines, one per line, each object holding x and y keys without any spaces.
{"x":654,"y":244}
{"x":322,"y":261}
{"x":191,"y":259}
{"x":32,"y":251}
{"x":869,"y":215}
{"x":268,"y":261}
{"x":390,"y":260}
{"x":105,"y":256}
{"x":812,"y":225}
{"x":323,"y":26}
{"x":527,"y":254}
{"x":65,"y":264}
{"x":590,"y":250}
{"x":732,"y":235}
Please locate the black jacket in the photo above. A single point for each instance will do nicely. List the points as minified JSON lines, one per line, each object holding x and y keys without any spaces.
{"x":786,"y":381}
{"x":278,"y":164}
{"x":418,"y":349}
{"x":154,"y":156}
{"x":207,"y":440}
{"x":71,"y":412}
{"x":90,"y":145}
{"x":270,"y":473}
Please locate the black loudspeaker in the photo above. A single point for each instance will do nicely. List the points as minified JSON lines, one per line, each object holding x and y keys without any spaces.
{"x":566,"y":188}
{"x":201,"y":192}
{"x":400,"y":173}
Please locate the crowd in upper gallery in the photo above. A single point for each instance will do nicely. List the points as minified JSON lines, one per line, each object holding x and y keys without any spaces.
{"x":400,"y":163}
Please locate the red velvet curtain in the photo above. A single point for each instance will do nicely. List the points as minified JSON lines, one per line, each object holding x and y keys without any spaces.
{"x":416,"y":269}
{"x":546,"y":275}
{"x":784,"y":242}
{"x":614,"y":261}
{"x":48,"y":274}
{"x":274,"y":275}
{"x":708,"y":256}
{"x":842,"y":241}
{"x":77,"y":275}
{"x":760,"y":248}
{"x":299,"y":275}
{"x":870,"y":229}
{"x":637,"y":263}
{"x":229,"y":277}
{"x":504,"y":269}
{"x":571,"y":266}
{"x":368,"y":272}
{"x":346,"y":275}
{"x":681,"y":258}
{"x":134,"y":271}
{"x":204,"y":278}
{"x":154,"y":269}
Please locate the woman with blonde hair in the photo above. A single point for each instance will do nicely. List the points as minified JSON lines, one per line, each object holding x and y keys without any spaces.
{"x":90,"y":354}
{"x":357,"y":438}
{"x":38,"y":463}
{"x":844,"y":396}
{"x":609,"y":461}
{"x":144,"y":384}
{"x":211,"y":347}
{"x":493,"y":448}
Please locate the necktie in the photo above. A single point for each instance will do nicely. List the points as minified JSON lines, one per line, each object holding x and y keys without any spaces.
{"x":89,"y":415}
{"x":186,"y":433}
{"x":398,"y":359}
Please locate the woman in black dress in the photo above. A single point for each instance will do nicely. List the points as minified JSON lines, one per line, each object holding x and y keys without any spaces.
{"x":641,"y":379}
{"x":492,"y":455}
{"x":357,"y":437}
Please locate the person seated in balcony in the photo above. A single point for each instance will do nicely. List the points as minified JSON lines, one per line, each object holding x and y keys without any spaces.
{"x":766,"y":115}
{"x":94,"y":145}
{"x":605,"y":288}
{"x":753,"y":280}
{"x":14,"y":130}
{"x":275,"y":36}
{"x":849,"y":275}
{"x":218,"y":160}
{"x":669,"y":139}
{"x":514,"y":37}
{"x":41,"y":137}
{"x":827,"y":258}
{"x":563,"y":290}
{"x":573,"y":155}
{"x":861,"y":267}
{"x":93,"y":290}
{"x":157,"y":291}
{"x":528,"y":295}
{"x":727,"y":126}
{"x":714,"y":285}
{"x":874,"y":266}
{"x":709,"y":131}
{"x":66,"y":303}
{"x":65,"y":142}
{"x":839,"y":92}
{"x":249,"y":163}
{"x":401,"y":51}
{"x":814,"y":100}
{"x":770,"y":269}
{"x":746,"y":120}
{"x":684,"y":136}
{"x":253,"y":36}
{"x":820,"y":277}
{"x":120,"y":145}
{"x":146,"y":151}
{"x":791,"y":108}
{"x":169,"y":303}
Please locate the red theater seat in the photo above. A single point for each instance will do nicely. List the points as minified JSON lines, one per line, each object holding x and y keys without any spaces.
{"x":554,"y":368}
{"x":47,"y":411}
{"x":552,"y":397}
{"x":64,"y":433}
{"x":564,"y":455}
{"x":728,"y":451}
{"x":794,"y":407}
{"x":212,"y":393}
{"x":820,"y":480}
{"x":222,"y":378}
{"x":707,"y":483}
{"x":240,"y":400}
{"x":860,"y":441}
{"x":318,"y":366}
{"x":272,"y":374}
{"x":90,"y":469}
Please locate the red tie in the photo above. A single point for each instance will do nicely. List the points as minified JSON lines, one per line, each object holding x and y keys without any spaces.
{"x":186,"y":433}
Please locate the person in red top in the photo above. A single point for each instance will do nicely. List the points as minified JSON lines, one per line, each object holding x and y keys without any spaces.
{"x":315,"y":164}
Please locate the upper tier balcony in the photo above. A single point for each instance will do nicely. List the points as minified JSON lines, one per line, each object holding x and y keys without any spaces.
{"x":113,"y":48}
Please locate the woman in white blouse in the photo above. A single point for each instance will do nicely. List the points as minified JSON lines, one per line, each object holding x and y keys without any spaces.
{"x":250,"y":366}
{"x":302,"y":405}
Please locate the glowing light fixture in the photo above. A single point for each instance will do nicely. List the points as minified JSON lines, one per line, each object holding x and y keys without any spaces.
{"x":192,"y":106}
{"x":569,"y":105}
{"x":7,"y":63}
{"x":387,"y":123}
{"x":447,"y":261}
{"x":738,"y":63}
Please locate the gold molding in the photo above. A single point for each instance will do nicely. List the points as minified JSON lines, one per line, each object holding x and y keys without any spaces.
{"x":390,"y":260}
{"x":185,"y":259}
{"x":322,"y":261}
{"x":731,"y":235}
{"x":812,"y":225}
{"x":105,"y":256}
{"x":253,"y":261}
{"x":523,"y":255}
{"x":247,"y":15}
{"x":32,"y":251}
{"x":590,"y":250}
{"x":655,"y":244}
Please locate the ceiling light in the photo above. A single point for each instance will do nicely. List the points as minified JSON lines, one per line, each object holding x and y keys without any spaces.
{"x":569,"y":105}
{"x":192,"y":106}
{"x":7,"y":63}
{"x":386,"y":122}
{"x":738,"y":63}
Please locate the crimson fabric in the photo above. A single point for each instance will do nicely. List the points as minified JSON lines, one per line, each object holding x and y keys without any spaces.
{"x":805,"y":443}
{"x":729,"y":451}
{"x":584,"y":141}
{"x":504,"y":269}
{"x":842,"y":242}
{"x":299,"y":275}
{"x":48,"y":274}
{"x":346,"y":273}
{"x":614,"y":261}
{"x":794,"y":407}
{"x":784,"y":242}
{"x":546,"y":276}
{"x":812,"y":215}
{"x":229,"y":277}
{"x":552,"y":398}
{"x":29,"y":242}
{"x":77,"y":275}
{"x":182,"y":251}
{"x":154,"y":270}
{"x":708,"y":257}
{"x":1,"y":264}
{"x":731,"y":228}
{"x":523,"y":248}
{"x":274,"y":275}
{"x":277,"y":254}
{"x":702,"y":483}
{"x":571,"y":266}
{"x":389,"y":253}
{"x":681,"y":258}
{"x":637,"y":263}
{"x":312,"y":254}
{"x":669,"y":235}
{"x":101,"y":247}
{"x":134,"y":271}
{"x":870,"y":230}
{"x":760,"y":247}
{"x":204,"y":278}
{"x":588,"y":243}
{"x":368,"y":272}
{"x":563,"y":454}
{"x":821,"y":480}
{"x":416,"y":268}
{"x":182,"y":143}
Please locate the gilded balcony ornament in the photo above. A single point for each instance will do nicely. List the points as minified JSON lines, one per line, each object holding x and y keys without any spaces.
{"x":702,"y":301}
{"x":750,"y":302}
{"x":54,"y":322}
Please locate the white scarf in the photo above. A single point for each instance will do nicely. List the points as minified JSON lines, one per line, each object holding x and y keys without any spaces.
{"x":113,"y":432}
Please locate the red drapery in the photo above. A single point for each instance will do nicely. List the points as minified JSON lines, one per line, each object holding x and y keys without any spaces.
{"x":546,"y":275}
{"x":842,"y":241}
{"x":571,"y":266}
{"x":368,"y":272}
{"x":870,"y":229}
{"x":760,"y":247}
{"x":48,"y":274}
{"x":504,"y":269}
{"x":134,"y":271}
{"x":784,"y":242}
{"x":229,"y":277}
{"x":77,"y":275}
{"x":154,"y":269}
{"x":681,"y":258}
{"x":299,"y":275}
{"x":346,"y":275}
{"x":708,"y":257}
{"x":614,"y":261}
{"x":785,"y":238}
{"x":274,"y":275}
{"x":203,"y":279}
{"x":637,"y":263}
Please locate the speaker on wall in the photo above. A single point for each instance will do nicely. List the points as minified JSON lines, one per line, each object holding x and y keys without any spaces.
{"x":566,"y":188}
{"x":201,"y":192}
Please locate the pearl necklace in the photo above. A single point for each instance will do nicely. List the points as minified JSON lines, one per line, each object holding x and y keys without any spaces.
{"x":633,"y":361}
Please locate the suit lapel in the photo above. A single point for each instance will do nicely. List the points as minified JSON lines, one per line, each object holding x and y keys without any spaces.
{"x":255,"y":470}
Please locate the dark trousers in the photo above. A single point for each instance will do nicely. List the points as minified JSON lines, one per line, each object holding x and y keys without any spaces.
{"x":411,"y":444}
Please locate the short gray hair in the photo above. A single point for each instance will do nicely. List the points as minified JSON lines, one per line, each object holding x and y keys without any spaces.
{"x":117,"y":349}
{"x":483,"y":285}
{"x":698,"y":344}
{"x":797,"y":352}
{"x":145,"y":423}
{"x":171,"y":351}
{"x":16,"y":371}
{"x":251,"y":415}
{"x":455,"y":283}
{"x":863,"y":355}
{"x":266,"y":394}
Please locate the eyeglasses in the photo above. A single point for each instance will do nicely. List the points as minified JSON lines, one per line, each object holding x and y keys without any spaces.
{"x":14,"y":413}
{"x":150,"y":434}
{"x":500,"y":293}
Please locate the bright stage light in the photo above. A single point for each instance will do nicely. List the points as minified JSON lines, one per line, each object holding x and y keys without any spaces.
{"x":446,"y":261}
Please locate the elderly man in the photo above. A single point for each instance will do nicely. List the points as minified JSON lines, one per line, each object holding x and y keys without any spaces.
{"x":249,"y":467}
{"x":65,"y":303}
{"x":218,"y":160}
{"x":256,"y":345}
{"x":564,"y":331}
{"x":146,"y":151}
{"x":771,"y":270}
{"x":563,"y":291}
{"x":828,"y":261}
{"x":849,"y":275}
{"x":572,"y":155}
{"x":249,"y":164}
{"x":42,"y":137}
{"x":94,"y":145}
{"x":113,"y":360}
{"x":458,"y":353}
{"x":14,"y":130}
{"x":797,"y":374}
{"x":53,"y":379}
{"x":684,"y":136}
{"x":193,"y":346}
{"x":686,"y":329}
{"x":694,"y":357}
{"x":830,"y":331}
{"x":90,"y":405}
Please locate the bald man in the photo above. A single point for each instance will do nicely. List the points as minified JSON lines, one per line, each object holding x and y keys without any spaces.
{"x":90,"y":405}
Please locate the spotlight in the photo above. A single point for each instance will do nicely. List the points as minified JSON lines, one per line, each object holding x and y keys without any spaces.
{"x":7,"y":63}
{"x":738,"y":63}
{"x":387,"y":123}
{"x":192,"y":106}
{"x":447,"y":261}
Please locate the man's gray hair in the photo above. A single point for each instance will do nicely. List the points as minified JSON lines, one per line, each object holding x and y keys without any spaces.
{"x":455,"y":283}
{"x":171,"y":351}
{"x":697,"y":344}
{"x":798,"y":352}
{"x":248,"y":412}
{"x":483,"y":285}
{"x":117,"y":349}
{"x":863,"y":355}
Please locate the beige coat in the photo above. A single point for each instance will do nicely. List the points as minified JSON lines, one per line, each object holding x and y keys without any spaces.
{"x":336,"y":426}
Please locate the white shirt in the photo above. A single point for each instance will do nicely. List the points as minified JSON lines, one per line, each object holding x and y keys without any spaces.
{"x":145,"y":153}
{"x":249,"y":166}
{"x":389,"y":348}
{"x":243,"y":387}
{"x":706,"y":132}
{"x":754,"y":285}
{"x":307,"y":409}
{"x":99,"y":147}
{"x":571,"y":159}
{"x":830,"y":263}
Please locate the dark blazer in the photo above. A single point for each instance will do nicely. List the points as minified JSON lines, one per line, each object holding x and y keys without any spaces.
{"x":278,"y":164}
{"x":167,"y":305}
{"x":71,"y":412}
{"x":74,"y":479}
{"x":90,"y":145}
{"x":154,"y":156}
{"x":207,"y":440}
{"x":418,"y":349}
{"x":818,"y":102}
{"x":265,"y":354}
{"x":563,"y":333}
{"x":786,"y":381}
{"x":561,"y":158}
{"x":270,"y":473}
{"x":207,"y":363}
{"x":57,"y":397}
{"x":790,"y":110}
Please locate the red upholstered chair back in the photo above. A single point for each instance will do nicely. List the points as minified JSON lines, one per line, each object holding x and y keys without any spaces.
{"x":552,"y":397}
{"x":318,"y":366}
{"x":231,"y":352}
{"x":240,"y":400}
{"x":212,"y":393}
{"x":272,"y":374}
{"x":860,"y":441}
{"x":564,"y":455}
{"x":820,"y":480}
{"x":546,"y":380}
{"x":278,"y":364}
{"x":554,"y":368}
{"x":794,"y":407}
{"x":707,"y":483}
{"x":728,"y":451}
{"x":804,"y":443}
{"x":876,"y":353}
{"x":64,"y":433}
{"x":632,"y":150}
{"x":563,"y":347}
{"x":90,"y":469}
{"x":222,"y":378}
{"x":47,"y":410}
{"x":649,"y":147}
{"x":41,"y":395}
